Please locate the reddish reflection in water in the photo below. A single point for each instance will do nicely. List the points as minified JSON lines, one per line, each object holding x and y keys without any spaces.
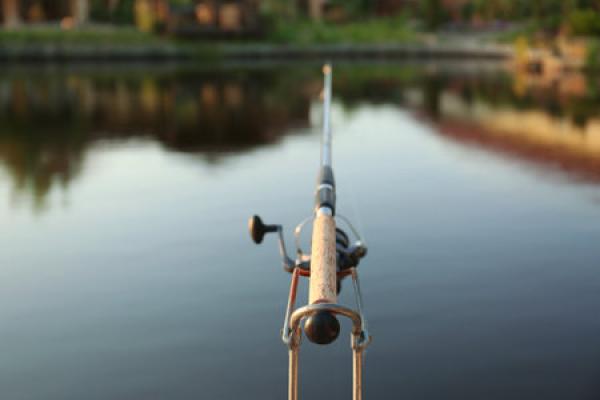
{"x":553,"y":126}
{"x":578,"y":164}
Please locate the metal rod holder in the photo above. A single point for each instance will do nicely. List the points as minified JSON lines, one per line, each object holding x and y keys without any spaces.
{"x":292,"y":334}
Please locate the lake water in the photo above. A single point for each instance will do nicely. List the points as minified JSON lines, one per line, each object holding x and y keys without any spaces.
{"x":126,"y":269}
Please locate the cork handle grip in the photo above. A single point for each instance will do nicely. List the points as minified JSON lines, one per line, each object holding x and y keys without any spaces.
{"x":323,"y":274}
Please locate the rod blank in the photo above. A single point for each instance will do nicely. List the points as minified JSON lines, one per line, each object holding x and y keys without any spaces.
{"x":323,"y":282}
{"x":326,"y":144}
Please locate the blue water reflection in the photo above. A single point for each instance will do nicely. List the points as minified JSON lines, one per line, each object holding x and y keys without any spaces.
{"x":127,"y":273}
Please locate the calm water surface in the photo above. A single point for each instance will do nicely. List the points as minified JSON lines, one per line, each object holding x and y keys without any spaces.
{"x":126,"y":271}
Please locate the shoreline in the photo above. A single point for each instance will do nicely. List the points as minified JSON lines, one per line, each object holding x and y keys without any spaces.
{"x":19,"y":54}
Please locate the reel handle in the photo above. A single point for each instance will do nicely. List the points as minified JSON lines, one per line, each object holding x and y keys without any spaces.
{"x":258,"y":229}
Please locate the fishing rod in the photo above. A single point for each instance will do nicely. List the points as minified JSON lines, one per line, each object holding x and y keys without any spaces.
{"x":333,"y":257}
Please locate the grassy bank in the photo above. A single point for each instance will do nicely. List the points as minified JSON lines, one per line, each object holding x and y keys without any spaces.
{"x":303,"y":32}
{"x":381,"y":30}
{"x":381,"y":38}
{"x":93,"y":35}
{"x":97,"y":43}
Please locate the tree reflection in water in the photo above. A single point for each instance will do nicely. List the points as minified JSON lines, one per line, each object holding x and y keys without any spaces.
{"x":48,"y":122}
{"x":49,"y":119}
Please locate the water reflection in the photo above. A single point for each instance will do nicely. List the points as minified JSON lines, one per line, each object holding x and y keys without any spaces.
{"x":482,"y":278}
{"x":50,"y":119}
{"x":48,"y":122}
{"x":555,"y":125}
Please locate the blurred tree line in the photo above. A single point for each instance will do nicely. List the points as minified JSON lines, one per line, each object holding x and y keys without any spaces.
{"x":581,"y":17}
{"x":120,"y":12}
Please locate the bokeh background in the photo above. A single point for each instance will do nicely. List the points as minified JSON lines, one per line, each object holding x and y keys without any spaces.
{"x":137,"y":137}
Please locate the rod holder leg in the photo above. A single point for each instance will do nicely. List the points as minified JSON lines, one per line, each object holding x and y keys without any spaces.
{"x":357,"y":364}
{"x":293,"y":373}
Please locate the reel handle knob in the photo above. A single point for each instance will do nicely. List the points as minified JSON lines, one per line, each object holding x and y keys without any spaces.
{"x":322,"y":327}
{"x":258,"y":229}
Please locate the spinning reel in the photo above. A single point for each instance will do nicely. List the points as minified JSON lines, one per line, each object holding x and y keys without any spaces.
{"x":319,"y":328}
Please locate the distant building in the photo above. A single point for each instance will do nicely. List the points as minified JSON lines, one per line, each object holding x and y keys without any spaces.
{"x":14,"y":13}
{"x":215,"y":18}
{"x":208,"y":18}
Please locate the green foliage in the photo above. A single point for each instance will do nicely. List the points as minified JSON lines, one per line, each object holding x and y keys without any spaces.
{"x":121,"y":15}
{"x":354,"y":8}
{"x":524,"y":31}
{"x":593,"y":55}
{"x":98,"y":11}
{"x":94,"y":36}
{"x":585,"y":22}
{"x":518,"y":9}
{"x":381,"y":30}
{"x":432,"y":13}
{"x":467,"y":11}
{"x":274,"y":10}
